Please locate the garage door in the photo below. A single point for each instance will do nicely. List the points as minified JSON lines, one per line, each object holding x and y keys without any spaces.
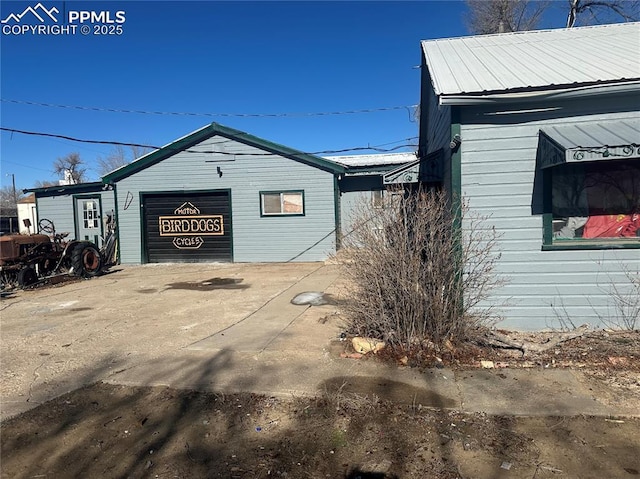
{"x":187,"y":227}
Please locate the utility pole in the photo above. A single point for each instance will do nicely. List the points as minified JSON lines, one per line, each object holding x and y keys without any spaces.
{"x":13,"y":182}
{"x":15,"y":199}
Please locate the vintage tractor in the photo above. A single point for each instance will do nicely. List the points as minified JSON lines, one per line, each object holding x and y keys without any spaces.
{"x":25,"y":259}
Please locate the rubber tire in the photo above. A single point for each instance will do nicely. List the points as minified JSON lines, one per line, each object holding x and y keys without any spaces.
{"x":27,"y":276}
{"x":86,"y":260}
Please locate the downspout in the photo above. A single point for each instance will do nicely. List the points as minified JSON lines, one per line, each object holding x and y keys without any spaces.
{"x":455,"y":191}
{"x":336,"y":211}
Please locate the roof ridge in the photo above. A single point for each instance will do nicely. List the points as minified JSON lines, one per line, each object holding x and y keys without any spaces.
{"x":533,"y":32}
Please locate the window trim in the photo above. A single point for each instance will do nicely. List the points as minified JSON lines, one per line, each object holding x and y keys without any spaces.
{"x":282,"y":213}
{"x":548,"y":242}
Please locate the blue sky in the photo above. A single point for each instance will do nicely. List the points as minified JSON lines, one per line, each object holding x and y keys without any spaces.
{"x":218,"y":57}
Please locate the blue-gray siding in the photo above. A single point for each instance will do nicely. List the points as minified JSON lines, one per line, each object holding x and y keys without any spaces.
{"x":59,"y":209}
{"x":255,"y":239}
{"x":354,"y":190}
{"x":498,"y":168}
{"x":437,"y":132}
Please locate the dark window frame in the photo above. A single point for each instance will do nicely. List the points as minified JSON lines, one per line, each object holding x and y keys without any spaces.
{"x":282,"y":213}
{"x":551,"y":243}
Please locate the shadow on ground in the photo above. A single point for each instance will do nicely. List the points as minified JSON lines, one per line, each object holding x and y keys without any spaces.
{"x":210,"y":284}
{"x":352,"y":429}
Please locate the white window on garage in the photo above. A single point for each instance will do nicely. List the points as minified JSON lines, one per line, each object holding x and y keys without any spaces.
{"x":282,"y":203}
{"x":90,"y":214}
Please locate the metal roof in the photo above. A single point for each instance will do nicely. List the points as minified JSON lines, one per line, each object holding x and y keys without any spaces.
{"x":596,"y":134}
{"x":382,"y":159}
{"x":589,"y":141}
{"x":534,"y":60}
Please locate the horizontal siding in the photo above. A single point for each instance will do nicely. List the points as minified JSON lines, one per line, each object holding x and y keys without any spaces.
{"x":438,"y":129}
{"x":498,"y":171}
{"x":108,"y":201}
{"x":59,"y":209}
{"x":255,"y":239}
{"x":350,"y":204}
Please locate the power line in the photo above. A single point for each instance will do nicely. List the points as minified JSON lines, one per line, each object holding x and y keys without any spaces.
{"x":153,"y":147}
{"x":225,"y":115}
{"x":26,"y":166}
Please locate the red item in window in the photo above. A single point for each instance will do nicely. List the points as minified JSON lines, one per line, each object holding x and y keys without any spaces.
{"x":611,"y":226}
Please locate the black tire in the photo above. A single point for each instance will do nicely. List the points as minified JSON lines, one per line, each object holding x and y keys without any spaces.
{"x":27,"y":276}
{"x":86,"y":260}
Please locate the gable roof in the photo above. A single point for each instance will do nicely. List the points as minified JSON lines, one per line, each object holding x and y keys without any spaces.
{"x":533,"y":60}
{"x":209,"y":131}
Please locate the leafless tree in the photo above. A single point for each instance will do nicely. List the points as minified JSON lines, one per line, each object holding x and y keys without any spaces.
{"x":71,"y":165}
{"x":586,"y":12}
{"x":416,"y":275}
{"x":499,"y":16}
{"x":119,"y":157}
{"x":44,"y":184}
{"x":8,"y":200}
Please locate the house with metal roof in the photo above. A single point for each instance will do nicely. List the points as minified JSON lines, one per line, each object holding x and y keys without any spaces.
{"x":220,"y":194}
{"x":539,"y":131}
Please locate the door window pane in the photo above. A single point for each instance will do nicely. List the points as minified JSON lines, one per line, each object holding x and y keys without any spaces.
{"x":90,"y":214}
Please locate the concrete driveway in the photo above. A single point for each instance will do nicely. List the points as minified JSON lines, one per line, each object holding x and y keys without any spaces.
{"x":230,"y":328}
{"x":58,"y":338}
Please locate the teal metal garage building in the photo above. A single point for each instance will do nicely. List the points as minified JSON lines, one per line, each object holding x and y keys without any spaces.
{"x":219,"y":194}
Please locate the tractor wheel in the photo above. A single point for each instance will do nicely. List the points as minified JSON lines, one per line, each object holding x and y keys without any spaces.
{"x":86,"y":260}
{"x":27,"y":276}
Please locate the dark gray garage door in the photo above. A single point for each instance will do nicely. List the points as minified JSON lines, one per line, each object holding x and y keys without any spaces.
{"x":187,"y":227}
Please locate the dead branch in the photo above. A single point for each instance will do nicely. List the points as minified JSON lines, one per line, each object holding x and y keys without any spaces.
{"x":500,"y":340}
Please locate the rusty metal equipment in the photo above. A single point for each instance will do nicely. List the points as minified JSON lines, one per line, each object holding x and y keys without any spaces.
{"x":26,"y":259}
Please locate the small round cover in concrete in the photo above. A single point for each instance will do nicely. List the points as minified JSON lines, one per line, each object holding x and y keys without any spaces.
{"x":314,"y":298}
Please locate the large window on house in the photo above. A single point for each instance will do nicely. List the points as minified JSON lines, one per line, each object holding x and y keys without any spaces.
{"x":595,"y":203}
{"x":282,"y":203}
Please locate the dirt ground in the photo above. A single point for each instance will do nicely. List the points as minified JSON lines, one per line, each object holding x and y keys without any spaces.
{"x":115,"y":431}
{"x":610,"y":358}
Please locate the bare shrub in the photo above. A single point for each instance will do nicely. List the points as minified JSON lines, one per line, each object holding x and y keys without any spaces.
{"x":416,"y":275}
{"x":624,"y":313}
